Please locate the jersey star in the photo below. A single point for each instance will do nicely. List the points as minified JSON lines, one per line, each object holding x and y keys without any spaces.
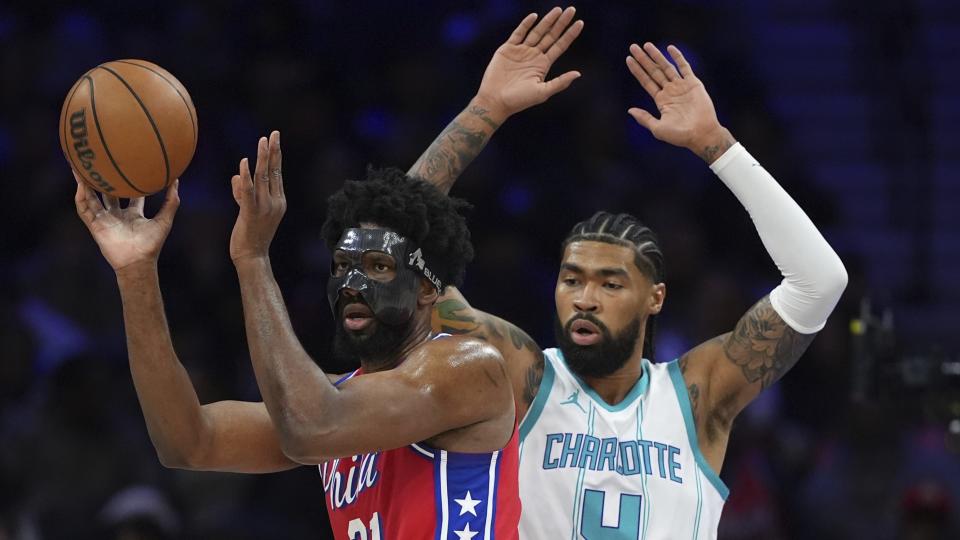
{"x":466,"y":533}
{"x":468,"y":504}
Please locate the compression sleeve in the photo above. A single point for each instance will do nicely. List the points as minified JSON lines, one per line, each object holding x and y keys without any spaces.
{"x":813,"y":275}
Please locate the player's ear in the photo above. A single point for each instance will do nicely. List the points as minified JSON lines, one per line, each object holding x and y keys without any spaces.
{"x":658,"y":293}
{"x":428,"y":294}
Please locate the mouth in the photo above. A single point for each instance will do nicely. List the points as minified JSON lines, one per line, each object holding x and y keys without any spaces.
{"x":357,"y":317}
{"x":584,"y":332}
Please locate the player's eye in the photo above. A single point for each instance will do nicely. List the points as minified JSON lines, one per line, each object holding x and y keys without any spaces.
{"x":339,"y":268}
{"x":570,"y":282}
{"x":613,"y":286}
{"x":380,"y":267}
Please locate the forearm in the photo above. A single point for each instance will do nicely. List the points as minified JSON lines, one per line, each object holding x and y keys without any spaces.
{"x":814,"y":276}
{"x":169,"y":402}
{"x":295,"y":390}
{"x":457,"y":145}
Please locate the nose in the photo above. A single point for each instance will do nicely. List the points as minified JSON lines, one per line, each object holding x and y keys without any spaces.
{"x":587,"y":302}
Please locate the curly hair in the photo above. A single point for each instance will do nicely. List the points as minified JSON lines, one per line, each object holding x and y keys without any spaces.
{"x":412,"y":207}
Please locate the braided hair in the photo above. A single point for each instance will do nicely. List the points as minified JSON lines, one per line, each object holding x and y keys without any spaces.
{"x":625,"y":230}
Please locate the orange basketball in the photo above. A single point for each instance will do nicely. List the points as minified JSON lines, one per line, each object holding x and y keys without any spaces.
{"x":128,"y":128}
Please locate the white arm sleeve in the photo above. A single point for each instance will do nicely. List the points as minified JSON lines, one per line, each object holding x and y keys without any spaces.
{"x":813,"y":275}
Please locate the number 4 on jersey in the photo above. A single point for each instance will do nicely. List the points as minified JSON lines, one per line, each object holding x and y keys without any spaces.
{"x":357,"y":530}
{"x":591,"y":523}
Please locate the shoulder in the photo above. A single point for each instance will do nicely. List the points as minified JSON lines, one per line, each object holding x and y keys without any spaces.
{"x":458,"y":358}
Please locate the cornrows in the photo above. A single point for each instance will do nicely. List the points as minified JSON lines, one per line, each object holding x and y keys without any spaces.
{"x":626,"y":230}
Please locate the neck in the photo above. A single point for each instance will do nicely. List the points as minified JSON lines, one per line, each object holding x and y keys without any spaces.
{"x":614,"y":388}
{"x":418,"y":334}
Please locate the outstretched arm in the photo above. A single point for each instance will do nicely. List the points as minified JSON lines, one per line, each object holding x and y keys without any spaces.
{"x":226,"y":436}
{"x":515,"y":79}
{"x":723,"y":375}
{"x":316,"y":420}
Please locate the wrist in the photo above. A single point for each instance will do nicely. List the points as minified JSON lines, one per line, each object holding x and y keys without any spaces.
{"x":492,"y":110}
{"x":712,"y":144}
{"x":136,"y":272}
{"x":246,"y":263}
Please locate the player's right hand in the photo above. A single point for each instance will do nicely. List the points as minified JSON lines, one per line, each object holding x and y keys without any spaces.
{"x":124,"y":235}
{"x":516,"y":77}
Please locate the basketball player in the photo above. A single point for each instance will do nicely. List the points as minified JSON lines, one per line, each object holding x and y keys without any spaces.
{"x":420,"y":442}
{"x":614,"y":445}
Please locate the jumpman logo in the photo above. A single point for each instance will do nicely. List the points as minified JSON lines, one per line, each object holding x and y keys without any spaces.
{"x":574,"y":399}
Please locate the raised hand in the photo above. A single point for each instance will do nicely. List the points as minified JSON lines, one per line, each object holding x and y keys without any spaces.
{"x":516,"y":77}
{"x":124,"y":235}
{"x":687,"y":116}
{"x":261,"y":199}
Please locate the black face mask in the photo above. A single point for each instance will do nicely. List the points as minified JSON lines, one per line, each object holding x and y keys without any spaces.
{"x":600,"y":359}
{"x":392,"y":302}
{"x":375,"y":347}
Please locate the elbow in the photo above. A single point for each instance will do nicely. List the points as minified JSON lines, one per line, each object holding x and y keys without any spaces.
{"x":173,"y":458}
{"x":835,"y":279}
{"x":304,"y":442}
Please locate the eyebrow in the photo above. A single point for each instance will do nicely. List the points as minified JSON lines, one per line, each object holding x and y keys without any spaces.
{"x":605,"y":272}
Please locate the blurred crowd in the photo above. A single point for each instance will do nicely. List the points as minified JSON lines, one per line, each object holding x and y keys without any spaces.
{"x":352,"y":84}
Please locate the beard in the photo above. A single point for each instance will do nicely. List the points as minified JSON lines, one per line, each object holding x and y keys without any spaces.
{"x":376,"y":346}
{"x":602,"y":358}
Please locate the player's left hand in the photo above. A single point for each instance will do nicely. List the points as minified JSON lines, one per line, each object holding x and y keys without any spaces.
{"x":687,"y":116}
{"x":261,"y":199}
{"x":516,"y":77}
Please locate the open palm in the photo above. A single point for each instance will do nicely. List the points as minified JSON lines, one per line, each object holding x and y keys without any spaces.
{"x":686,"y":110}
{"x":516,"y":77}
{"x":124,"y":235}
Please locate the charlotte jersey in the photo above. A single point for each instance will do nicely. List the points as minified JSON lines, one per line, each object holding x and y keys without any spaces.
{"x":629,"y":471}
{"x":422,"y":493}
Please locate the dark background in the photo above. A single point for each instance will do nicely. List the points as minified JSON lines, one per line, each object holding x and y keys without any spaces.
{"x":853,"y":106}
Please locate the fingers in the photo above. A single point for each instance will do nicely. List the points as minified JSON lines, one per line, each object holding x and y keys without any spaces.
{"x":236,"y":187}
{"x":261,"y":178}
{"x":648,"y":66}
{"x":645,"y":81}
{"x":111,"y":203}
{"x":561,"y":45}
{"x":526,"y":24}
{"x":557,"y":28}
{"x":644,"y":118}
{"x":540,"y":30}
{"x":247,"y":197}
{"x":685,"y":69}
{"x":560,"y":83}
{"x":275,"y":165}
{"x":665,"y":66}
{"x":170,"y":205}
{"x":136,"y":206}
{"x":87,"y":203}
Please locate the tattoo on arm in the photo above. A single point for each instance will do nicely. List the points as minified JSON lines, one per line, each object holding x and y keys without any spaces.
{"x":694,"y":392}
{"x":454,"y":319}
{"x":764,"y":346}
{"x":711,"y":152}
{"x":455,"y":148}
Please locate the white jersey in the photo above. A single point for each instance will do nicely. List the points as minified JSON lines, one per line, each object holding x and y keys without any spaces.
{"x":629,"y":471}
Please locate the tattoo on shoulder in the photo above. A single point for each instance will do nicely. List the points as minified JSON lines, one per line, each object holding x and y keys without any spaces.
{"x":764,"y":346}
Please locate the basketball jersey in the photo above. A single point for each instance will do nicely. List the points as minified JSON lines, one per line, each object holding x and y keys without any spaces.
{"x":628,"y":471}
{"x":417,"y":492}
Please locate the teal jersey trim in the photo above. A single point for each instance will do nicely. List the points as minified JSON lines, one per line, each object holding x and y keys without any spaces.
{"x":684,"y":398}
{"x":639,"y":388}
{"x":539,"y":401}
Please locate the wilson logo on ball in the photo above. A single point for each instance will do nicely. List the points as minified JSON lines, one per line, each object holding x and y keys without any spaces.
{"x":78,"y":131}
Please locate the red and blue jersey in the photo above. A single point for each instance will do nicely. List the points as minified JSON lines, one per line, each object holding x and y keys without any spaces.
{"x":422,"y":493}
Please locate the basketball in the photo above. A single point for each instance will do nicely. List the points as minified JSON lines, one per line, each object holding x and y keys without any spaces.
{"x":129,"y":128}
